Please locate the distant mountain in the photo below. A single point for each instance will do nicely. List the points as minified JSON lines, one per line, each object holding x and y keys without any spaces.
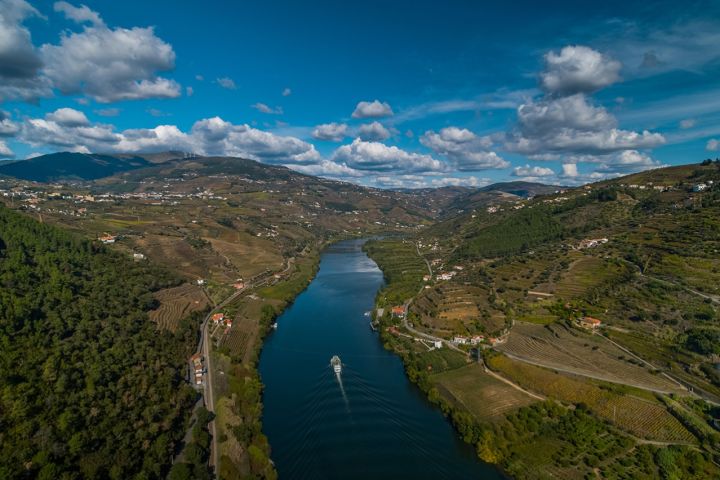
{"x":71,"y":166}
{"x":522,"y":189}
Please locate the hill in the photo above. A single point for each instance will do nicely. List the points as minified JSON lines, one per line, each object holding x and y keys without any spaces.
{"x":71,"y":166}
{"x":604,"y":297}
{"x":91,"y":389}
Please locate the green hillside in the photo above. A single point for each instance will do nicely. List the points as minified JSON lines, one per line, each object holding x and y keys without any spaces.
{"x":90,"y":388}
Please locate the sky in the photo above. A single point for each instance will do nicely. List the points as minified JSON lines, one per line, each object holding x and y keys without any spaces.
{"x":385,"y":94}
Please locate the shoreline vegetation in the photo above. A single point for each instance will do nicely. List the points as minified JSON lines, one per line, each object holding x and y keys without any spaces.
{"x":528,"y":439}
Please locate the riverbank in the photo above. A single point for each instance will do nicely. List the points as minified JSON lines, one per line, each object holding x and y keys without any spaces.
{"x":527,"y":438}
{"x":367,"y":422}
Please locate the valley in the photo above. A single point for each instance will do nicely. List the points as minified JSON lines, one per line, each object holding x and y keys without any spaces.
{"x":529,"y":318}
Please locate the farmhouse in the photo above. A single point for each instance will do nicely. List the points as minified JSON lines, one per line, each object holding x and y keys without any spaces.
{"x":445,"y":276}
{"x":699,"y":187}
{"x":460,"y":340}
{"x":437,"y":344}
{"x":239,"y":285}
{"x":590,"y":322}
{"x":398,"y":311}
{"x":426,"y":278}
{"x":217,"y":318}
{"x":107,"y":239}
{"x":592,"y":242}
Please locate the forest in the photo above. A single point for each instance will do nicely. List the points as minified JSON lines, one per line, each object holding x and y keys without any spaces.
{"x":90,"y":388}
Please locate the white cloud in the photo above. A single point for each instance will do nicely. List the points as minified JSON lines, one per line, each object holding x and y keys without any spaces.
{"x":713,"y":145}
{"x":424,"y":181}
{"x":189,"y":91}
{"x":332,"y":132}
{"x":210,"y":136}
{"x":374,"y":109}
{"x":571,"y":125}
{"x":687,"y":123}
{"x":327,"y":168}
{"x":374,"y":131}
{"x":463,"y":148}
{"x":79,"y":14}
{"x":286,"y":92}
{"x":378,"y":157}
{"x":226,"y":82}
{"x":68,"y":117}
{"x":109,"y":64}
{"x":578,"y":69}
{"x":108,"y":112}
{"x":570,"y":170}
{"x":20,"y":62}
{"x":262,"y":108}
{"x":5,"y":151}
{"x":8,"y":128}
{"x":528,"y":171}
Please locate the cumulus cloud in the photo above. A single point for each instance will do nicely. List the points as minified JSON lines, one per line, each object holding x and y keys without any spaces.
{"x":465,"y":150}
{"x":189,"y":91}
{"x":332,"y":132}
{"x":327,"y":168}
{"x":286,"y":92}
{"x":713,"y":145}
{"x":262,"y":108}
{"x":68,"y":117}
{"x":374,"y":131}
{"x":378,"y":157}
{"x":20,"y":62}
{"x":109,"y":64}
{"x":8,"y":128}
{"x":528,"y":171}
{"x":425,"y":181}
{"x":374,"y":109}
{"x":5,"y":151}
{"x":226,"y":82}
{"x":628,"y":161}
{"x":570,"y":170}
{"x":79,"y":14}
{"x":578,"y":69}
{"x":687,"y":123}
{"x":210,"y":136}
{"x":572,"y":125}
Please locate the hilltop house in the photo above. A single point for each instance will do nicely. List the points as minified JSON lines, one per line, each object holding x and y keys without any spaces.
{"x":590,"y":322}
{"x":107,"y":239}
{"x":398,"y":311}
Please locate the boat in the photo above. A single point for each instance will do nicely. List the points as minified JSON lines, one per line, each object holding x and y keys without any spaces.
{"x":274,"y":326}
{"x":373,"y":327}
{"x":336,"y":364}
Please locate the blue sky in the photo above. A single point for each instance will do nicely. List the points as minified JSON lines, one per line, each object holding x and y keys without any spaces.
{"x":404,"y":94}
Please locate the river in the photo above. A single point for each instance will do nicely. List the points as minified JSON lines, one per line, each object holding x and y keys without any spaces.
{"x":371,"y":422}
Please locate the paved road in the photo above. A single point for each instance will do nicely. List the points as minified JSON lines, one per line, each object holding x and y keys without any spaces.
{"x":204,"y":349}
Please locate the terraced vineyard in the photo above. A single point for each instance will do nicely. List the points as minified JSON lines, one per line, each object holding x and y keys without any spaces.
{"x":240,"y":338}
{"x":402,"y":266}
{"x":176,"y":303}
{"x":454,"y":308}
{"x":487,"y":398}
{"x":643,"y":417}
{"x":574,"y":351}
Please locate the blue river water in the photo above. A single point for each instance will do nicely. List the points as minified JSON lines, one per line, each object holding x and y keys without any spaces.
{"x":369,"y":422}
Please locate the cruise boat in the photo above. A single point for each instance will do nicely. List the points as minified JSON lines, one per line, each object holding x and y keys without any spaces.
{"x":336,"y":364}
